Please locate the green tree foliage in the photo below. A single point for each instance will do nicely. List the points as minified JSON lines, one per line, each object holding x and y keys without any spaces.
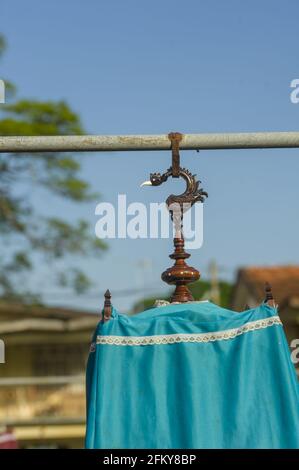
{"x":23,"y":231}
{"x":199,"y":289}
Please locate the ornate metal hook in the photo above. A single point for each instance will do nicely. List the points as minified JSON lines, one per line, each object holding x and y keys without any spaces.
{"x":192,"y":194}
{"x":180,"y":274}
{"x":175,"y":139}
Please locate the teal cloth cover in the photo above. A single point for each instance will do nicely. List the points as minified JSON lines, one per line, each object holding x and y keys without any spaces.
{"x":192,"y":376}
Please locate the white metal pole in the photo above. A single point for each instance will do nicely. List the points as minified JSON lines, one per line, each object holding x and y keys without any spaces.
{"x":105,"y":143}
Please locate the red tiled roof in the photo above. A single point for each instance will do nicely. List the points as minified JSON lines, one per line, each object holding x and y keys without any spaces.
{"x":283,"y":279}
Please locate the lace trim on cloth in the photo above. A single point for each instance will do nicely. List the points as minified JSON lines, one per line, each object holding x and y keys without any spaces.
{"x":163,"y":303}
{"x":188,"y":337}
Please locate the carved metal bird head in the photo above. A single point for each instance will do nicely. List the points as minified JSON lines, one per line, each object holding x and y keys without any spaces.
{"x":191,"y":194}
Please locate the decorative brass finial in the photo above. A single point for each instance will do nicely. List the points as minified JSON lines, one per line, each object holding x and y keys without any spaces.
{"x":180,"y":274}
{"x":107,"y":306}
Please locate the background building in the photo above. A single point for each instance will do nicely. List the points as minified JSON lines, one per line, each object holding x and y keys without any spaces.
{"x":249,"y":289}
{"x":42,"y":390}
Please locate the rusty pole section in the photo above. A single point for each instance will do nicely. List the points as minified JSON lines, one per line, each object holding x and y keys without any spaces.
{"x":106,"y":143}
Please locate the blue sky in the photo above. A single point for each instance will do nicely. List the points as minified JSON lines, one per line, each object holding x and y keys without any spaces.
{"x":139,"y":67}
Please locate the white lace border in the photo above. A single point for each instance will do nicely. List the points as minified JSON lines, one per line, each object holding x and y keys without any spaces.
{"x":188,"y":337}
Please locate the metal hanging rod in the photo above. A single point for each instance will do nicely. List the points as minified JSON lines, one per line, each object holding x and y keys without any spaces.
{"x":106,"y":143}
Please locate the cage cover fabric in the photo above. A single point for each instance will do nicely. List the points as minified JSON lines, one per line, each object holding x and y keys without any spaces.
{"x":192,"y":375}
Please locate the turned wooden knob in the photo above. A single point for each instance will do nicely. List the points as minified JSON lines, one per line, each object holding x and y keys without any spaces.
{"x":107,"y":306}
{"x":180,"y":273}
{"x":269,"y":299}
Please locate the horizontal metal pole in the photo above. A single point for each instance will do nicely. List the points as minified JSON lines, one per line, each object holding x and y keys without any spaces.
{"x":48,"y":380}
{"x":106,"y":143}
{"x":42,"y":421}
